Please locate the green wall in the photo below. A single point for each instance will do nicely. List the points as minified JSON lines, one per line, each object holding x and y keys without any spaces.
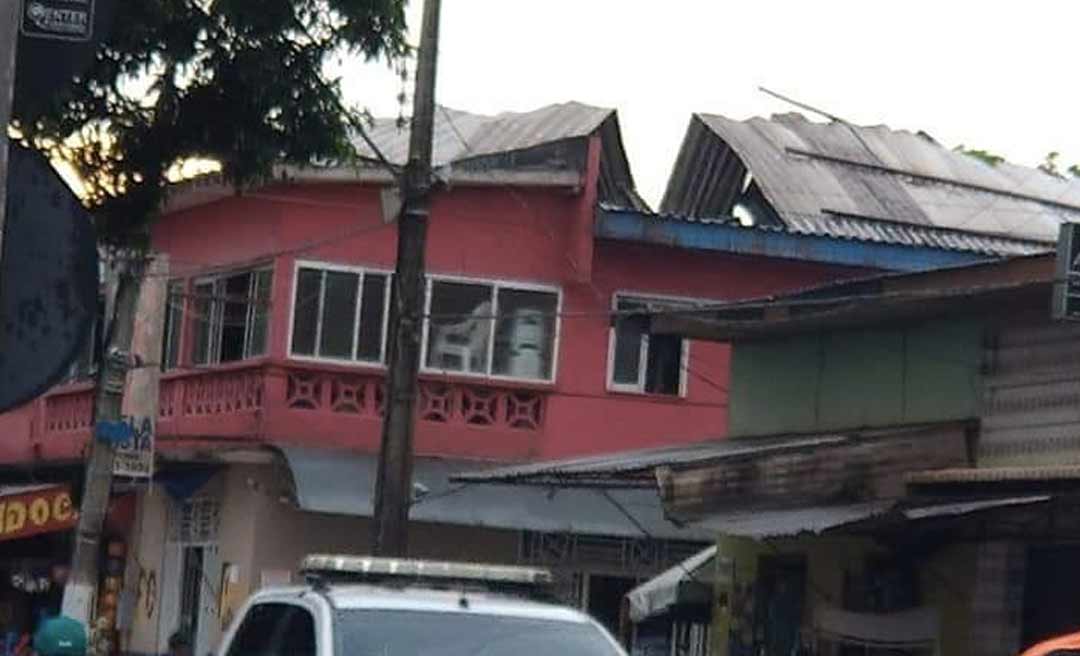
{"x":856,"y":378}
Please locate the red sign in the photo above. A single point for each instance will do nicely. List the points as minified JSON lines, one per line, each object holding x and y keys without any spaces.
{"x":41,"y":511}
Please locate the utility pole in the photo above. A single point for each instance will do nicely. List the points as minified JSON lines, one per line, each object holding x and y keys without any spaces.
{"x":393,"y":485}
{"x":137,"y":317}
{"x":9,"y":42}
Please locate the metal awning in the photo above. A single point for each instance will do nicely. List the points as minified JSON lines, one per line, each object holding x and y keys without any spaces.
{"x":636,"y":468}
{"x":770,"y":524}
{"x":688,"y":584}
{"x":809,"y":521}
{"x":343,"y":482}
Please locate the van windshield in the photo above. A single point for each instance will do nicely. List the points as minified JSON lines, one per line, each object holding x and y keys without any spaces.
{"x":424,"y":633}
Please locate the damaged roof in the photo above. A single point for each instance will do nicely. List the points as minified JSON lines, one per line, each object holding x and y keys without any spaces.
{"x":548,"y":138}
{"x":870,"y":183}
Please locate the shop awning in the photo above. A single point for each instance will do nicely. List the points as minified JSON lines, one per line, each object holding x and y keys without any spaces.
{"x":686,"y":585}
{"x":340,"y":482}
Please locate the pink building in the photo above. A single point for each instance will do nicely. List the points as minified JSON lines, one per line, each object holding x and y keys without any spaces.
{"x":276,"y":338}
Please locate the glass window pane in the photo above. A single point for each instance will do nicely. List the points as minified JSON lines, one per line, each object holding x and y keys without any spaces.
{"x":305,"y":311}
{"x":236,"y":290}
{"x":664,"y":369}
{"x":460,"y":327}
{"x":369,"y":337}
{"x":629,"y":332}
{"x":259,"y":314}
{"x":174,"y":317}
{"x":203,"y":307}
{"x":525,"y":334}
{"x":339,"y":313}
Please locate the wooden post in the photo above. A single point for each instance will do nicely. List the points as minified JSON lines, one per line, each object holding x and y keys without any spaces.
{"x":393,"y":485}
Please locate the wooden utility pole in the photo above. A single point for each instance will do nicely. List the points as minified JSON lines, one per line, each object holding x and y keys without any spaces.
{"x":137,"y":324}
{"x":9,"y":42}
{"x":393,"y":485}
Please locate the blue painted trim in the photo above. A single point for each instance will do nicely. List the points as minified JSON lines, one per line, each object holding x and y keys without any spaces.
{"x":628,"y":225}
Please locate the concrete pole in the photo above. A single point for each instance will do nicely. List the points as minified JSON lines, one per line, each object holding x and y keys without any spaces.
{"x":393,"y":486}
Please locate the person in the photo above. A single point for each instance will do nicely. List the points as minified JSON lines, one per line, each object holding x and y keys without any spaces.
{"x":180,"y":644}
{"x":60,"y":636}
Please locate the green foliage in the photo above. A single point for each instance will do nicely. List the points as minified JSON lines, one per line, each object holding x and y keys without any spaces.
{"x":984,"y":156}
{"x":236,"y":81}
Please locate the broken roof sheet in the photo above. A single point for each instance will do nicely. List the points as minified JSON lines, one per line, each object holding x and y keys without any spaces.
{"x":869,"y":183}
{"x":462,"y":135}
{"x":534,"y":140}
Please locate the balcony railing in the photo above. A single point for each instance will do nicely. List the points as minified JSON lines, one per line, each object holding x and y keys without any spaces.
{"x":285,"y":401}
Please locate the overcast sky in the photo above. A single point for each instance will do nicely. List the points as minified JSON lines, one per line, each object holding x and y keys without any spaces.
{"x":996,"y":74}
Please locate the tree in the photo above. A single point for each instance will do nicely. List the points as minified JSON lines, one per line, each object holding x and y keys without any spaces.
{"x":984,"y":156}
{"x":234,"y":81}
{"x":239,"y":82}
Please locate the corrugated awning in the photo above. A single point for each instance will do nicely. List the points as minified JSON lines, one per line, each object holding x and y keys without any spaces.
{"x":341,"y":482}
{"x":689,"y":583}
{"x":635,"y":468}
{"x":772,"y":524}
{"x":768,"y":524}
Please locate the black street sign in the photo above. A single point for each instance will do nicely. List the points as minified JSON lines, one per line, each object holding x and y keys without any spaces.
{"x":65,"y":20}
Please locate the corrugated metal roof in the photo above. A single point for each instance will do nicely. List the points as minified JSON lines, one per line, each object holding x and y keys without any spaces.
{"x":462,"y":135}
{"x":342,"y":482}
{"x":868,"y":183}
{"x":769,"y":524}
{"x":968,"y":507}
{"x":766,"y":524}
{"x":609,"y":469}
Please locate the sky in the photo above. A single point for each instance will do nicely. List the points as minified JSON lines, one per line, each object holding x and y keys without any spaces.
{"x":997,"y":74}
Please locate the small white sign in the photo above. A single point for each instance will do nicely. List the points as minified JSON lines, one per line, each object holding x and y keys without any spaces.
{"x":135,"y":456}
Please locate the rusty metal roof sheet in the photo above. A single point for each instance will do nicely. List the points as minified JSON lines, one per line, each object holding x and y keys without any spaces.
{"x":816,"y":520}
{"x":995,"y":475}
{"x":636,"y":467}
{"x":869,"y":183}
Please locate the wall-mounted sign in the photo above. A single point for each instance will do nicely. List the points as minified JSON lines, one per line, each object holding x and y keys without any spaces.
{"x":135,"y":453}
{"x":1066,"y":300}
{"x":67,"y":20}
{"x":42,"y":510}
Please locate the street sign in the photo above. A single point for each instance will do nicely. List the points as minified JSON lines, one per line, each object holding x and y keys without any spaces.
{"x":63,"y":20}
{"x":1066,"y":300}
{"x":135,"y":452}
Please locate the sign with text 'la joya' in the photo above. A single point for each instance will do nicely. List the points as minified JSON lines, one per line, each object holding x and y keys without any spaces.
{"x":66,"y":20}
{"x":135,"y":453}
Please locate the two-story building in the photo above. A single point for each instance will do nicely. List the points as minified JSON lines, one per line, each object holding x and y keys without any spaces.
{"x":543,"y":267}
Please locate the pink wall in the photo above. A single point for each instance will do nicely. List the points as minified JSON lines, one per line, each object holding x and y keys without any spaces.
{"x":537,"y":236}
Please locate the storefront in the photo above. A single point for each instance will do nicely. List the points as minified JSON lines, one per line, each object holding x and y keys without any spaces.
{"x":35,"y":548}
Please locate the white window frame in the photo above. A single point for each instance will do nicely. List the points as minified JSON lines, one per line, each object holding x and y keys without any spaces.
{"x":361,"y":271}
{"x":496,"y":284}
{"x":643,"y":356}
{"x":216,"y":322}
{"x":174,"y":337}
